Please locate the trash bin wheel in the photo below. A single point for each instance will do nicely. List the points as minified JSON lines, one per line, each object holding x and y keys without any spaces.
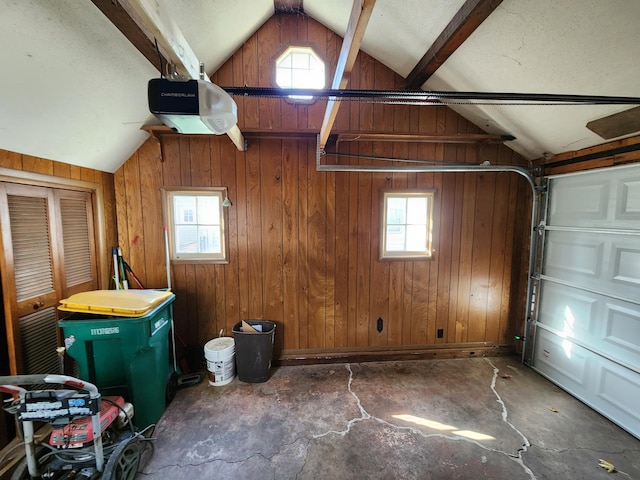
{"x":172,"y":387}
{"x":124,"y":461}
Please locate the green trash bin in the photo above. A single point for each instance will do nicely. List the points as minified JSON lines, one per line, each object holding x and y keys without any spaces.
{"x":123,"y":355}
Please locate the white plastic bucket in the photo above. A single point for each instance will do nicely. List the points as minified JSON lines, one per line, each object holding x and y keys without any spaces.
{"x":220,"y":356}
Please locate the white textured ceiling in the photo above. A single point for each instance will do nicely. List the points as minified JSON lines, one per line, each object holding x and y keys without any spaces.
{"x":74,"y":89}
{"x":588,"y":47}
{"x":215,"y":29}
{"x":399,"y":31}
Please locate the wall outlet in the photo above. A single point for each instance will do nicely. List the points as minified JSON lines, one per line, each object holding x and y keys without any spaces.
{"x":440,"y":332}
{"x":380,"y":324}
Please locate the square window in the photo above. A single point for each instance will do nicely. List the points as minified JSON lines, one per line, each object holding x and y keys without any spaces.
{"x":407,"y":224}
{"x":195,"y":223}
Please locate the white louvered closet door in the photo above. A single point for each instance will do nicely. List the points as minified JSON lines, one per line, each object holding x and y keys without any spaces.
{"x":78,"y":248}
{"x":47,"y":254}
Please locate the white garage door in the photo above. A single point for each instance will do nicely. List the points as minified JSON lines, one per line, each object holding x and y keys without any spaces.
{"x":587,"y":336}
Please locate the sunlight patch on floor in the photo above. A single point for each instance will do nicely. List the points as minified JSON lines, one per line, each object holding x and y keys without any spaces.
{"x":443,"y":427}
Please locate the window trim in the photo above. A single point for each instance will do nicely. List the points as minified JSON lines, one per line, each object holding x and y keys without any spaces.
{"x":430,"y":194}
{"x":197,"y":258}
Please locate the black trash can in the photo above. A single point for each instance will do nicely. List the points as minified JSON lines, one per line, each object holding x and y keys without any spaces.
{"x":254,"y":351}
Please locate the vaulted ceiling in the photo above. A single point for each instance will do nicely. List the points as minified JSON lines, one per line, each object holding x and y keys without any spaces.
{"x":74,"y":87}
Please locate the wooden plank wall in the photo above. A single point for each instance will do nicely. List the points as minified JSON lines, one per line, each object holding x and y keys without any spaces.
{"x":60,"y":174}
{"x":304,"y":244}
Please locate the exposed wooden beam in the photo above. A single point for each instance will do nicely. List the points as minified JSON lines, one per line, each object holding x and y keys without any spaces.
{"x":358,"y":20}
{"x":461,"y":26}
{"x":288,"y":6}
{"x":122,"y":20}
{"x":171,"y":39}
{"x":344,"y":136}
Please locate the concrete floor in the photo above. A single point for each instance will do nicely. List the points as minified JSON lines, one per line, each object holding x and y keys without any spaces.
{"x":434,"y":419}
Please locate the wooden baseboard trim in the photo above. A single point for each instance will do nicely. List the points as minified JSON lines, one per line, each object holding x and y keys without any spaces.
{"x":467,"y":350}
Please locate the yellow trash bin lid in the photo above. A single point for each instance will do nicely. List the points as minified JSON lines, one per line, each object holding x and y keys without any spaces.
{"x":123,"y":303}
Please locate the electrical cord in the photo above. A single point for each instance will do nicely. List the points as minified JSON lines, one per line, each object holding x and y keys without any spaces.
{"x":6,"y":455}
{"x":162,"y":73}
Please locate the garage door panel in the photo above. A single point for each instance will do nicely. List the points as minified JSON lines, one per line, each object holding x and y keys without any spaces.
{"x":609,"y":327}
{"x":606,"y":263}
{"x":626,"y":264}
{"x":558,"y":356}
{"x":604,"y":386}
{"x":622,"y":332}
{"x":570,"y":255}
{"x":582,"y":201}
{"x":572,"y":312}
{"x":587,"y":328}
{"x":610,"y":198}
{"x":612,"y":382}
{"x":629,"y":201}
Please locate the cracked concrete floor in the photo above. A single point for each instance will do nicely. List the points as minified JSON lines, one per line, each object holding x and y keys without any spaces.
{"x":432,"y":419}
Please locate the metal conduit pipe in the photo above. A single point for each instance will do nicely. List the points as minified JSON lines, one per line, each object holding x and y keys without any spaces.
{"x":459,"y":168}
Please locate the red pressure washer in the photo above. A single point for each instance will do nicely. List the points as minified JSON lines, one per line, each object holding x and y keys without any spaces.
{"x":92,"y":436}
